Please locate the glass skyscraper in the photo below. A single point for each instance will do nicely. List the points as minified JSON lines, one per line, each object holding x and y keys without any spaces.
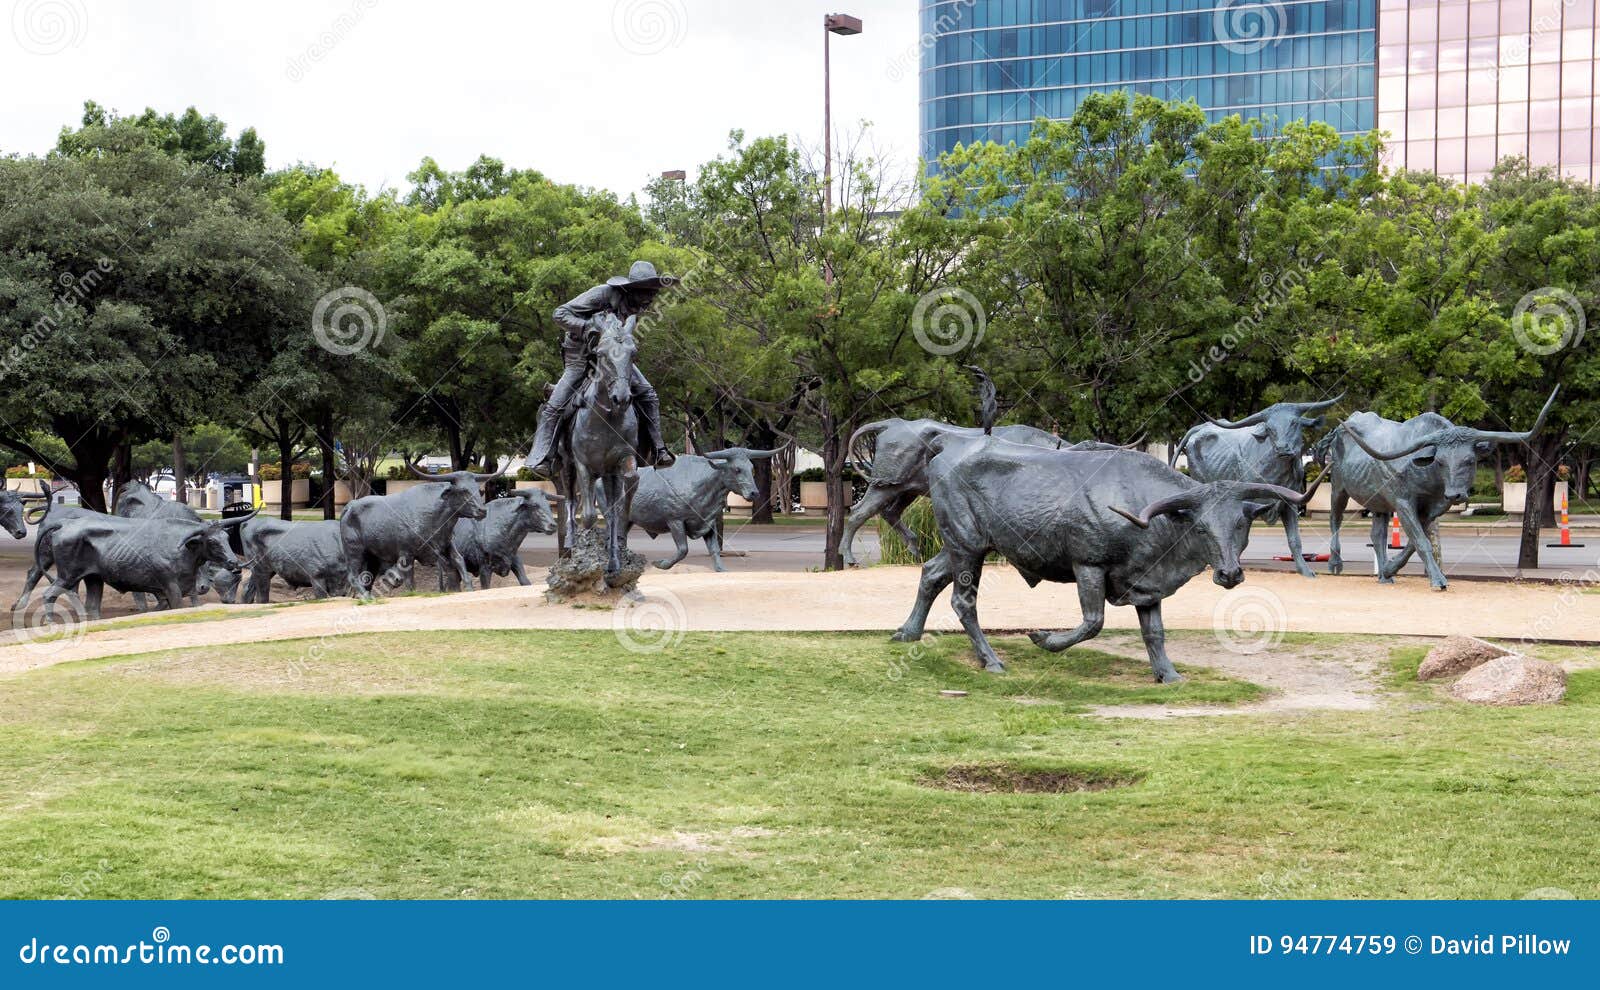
{"x":1457,"y":83}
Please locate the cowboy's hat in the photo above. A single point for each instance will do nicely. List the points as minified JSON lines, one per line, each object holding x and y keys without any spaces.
{"x":642,"y":275}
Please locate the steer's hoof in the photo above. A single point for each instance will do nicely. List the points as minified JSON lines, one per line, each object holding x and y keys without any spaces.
{"x":1170,"y":677}
{"x":901,"y":636}
{"x":665,"y":565}
{"x":995,"y":667}
{"x":1336,"y":567}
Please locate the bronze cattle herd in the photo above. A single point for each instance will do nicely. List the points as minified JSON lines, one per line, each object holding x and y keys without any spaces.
{"x":1125,"y":527}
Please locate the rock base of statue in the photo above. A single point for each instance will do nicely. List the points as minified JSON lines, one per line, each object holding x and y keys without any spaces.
{"x":582,"y":575}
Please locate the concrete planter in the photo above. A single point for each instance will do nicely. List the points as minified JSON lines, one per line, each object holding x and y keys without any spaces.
{"x":1514,"y":496}
{"x":738,"y":502}
{"x":341,"y":493}
{"x":398,"y":485}
{"x":1322,"y":501}
{"x":299,"y":492}
{"x":548,"y":487}
{"x":814,"y":494}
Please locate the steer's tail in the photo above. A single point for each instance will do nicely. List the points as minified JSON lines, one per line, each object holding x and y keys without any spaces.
{"x":864,"y":444}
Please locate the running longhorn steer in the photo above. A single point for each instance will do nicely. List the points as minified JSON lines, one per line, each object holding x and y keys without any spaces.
{"x":1266,"y":447}
{"x":135,"y":500}
{"x":1057,"y":516}
{"x":489,"y":546}
{"x":687,"y":498}
{"x":304,"y":554}
{"x":1416,"y":470}
{"x":896,"y":462}
{"x":380,"y":531}
{"x":158,"y":556}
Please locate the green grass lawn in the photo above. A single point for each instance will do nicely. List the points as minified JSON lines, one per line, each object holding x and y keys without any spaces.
{"x":511,"y":764}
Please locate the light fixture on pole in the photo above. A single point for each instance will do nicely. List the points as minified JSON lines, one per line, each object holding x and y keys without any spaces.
{"x":832,"y":24}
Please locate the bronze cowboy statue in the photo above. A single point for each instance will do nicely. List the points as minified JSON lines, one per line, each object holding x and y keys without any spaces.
{"x":621,"y":297}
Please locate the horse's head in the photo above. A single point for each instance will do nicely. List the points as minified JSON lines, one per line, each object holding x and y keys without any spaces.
{"x":614,"y":355}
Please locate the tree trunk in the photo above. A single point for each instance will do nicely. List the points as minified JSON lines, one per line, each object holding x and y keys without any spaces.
{"x":762,"y":438}
{"x":1539,"y":461}
{"x":833,"y":459}
{"x":330,"y":474}
{"x":180,"y":469}
{"x":286,"y":478}
{"x":458,"y":458}
{"x":121,"y":471}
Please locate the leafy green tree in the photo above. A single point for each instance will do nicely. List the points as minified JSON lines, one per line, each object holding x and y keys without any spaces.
{"x":482,"y":264}
{"x":135,"y":291}
{"x":813,"y":318}
{"x":202,"y":140}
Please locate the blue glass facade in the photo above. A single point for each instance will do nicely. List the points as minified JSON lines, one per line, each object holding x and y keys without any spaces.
{"x":990,"y":67}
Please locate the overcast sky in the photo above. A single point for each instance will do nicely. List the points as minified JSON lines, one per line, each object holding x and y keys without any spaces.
{"x":601,"y":92}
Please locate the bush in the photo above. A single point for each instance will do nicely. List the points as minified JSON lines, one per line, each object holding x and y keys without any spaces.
{"x":1515,"y":475}
{"x":526,"y":474}
{"x":271,"y":472}
{"x":918,"y":517}
{"x":21,"y":471}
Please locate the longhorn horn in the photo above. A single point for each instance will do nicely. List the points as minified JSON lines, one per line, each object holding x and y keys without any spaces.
{"x":239,"y":520}
{"x":1254,"y":419}
{"x":1182,"y":500}
{"x":761,"y":455}
{"x":1361,"y":441}
{"x":424,"y":474}
{"x":481,"y":478}
{"x":1508,"y":437}
{"x":1316,"y":407}
{"x":1279,"y":492}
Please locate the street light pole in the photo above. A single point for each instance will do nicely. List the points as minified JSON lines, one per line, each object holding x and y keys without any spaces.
{"x":832,"y":24}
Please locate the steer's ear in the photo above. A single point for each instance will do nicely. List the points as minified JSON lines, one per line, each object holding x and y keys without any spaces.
{"x":1257,"y":509}
{"x":1261,"y":432}
{"x":194,"y":539}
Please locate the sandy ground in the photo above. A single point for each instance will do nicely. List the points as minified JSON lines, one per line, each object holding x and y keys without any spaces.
{"x":693,"y":598}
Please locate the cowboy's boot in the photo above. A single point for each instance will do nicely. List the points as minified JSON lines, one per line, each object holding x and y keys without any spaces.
{"x":650,"y":420}
{"x":544,"y":440}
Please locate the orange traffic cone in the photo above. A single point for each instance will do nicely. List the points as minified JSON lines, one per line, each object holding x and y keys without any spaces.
{"x":1394,"y":532}
{"x":1566,"y":527}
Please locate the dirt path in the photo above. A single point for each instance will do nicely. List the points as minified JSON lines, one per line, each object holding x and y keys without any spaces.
{"x":873,"y":599}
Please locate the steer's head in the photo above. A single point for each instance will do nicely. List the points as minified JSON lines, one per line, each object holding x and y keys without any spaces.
{"x":1218,"y":515}
{"x":1282,"y":424}
{"x":531,"y":510}
{"x":736,"y":469}
{"x":1451,"y":451}
{"x":462,"y":497}
{"x":135,"y":498}
{"x":211,"y":541}
{"x":13,"y":505}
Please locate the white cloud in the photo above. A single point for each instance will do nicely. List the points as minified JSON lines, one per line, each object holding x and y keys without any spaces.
{"x":371,"y":86}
